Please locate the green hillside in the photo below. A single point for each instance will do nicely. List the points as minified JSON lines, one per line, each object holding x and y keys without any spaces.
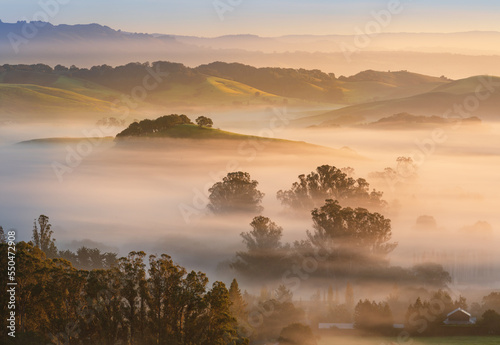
{"x":25,"y":101}
{"x":318,"y":86}
{"x":441,"y":101}
{"x":374,"y":85}
{"x":467,"y":85}
{"x":214,"y":91}
{"x":196,"y":132}
{"x":86,"y":88}
{"x":28,"y":91}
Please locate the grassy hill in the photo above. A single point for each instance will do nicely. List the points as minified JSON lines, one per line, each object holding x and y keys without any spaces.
{"x":186,"y":131}
{"x":215,"y":91}
{"x":203,"y":139}
{"x":374,"y":85}
{"x":27,"y":92}
{"x":322,"y":87}
{"x":19,"y":102}
{"x":228,"y":82}
{"x":440,"y":101}
{"x":63,"y":141}
{"x":405,"y":121}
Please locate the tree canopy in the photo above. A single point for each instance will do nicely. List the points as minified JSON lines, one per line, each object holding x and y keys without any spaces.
{"x":42,"y":236}
{"x":351,"y":234}
{"x":265,"y":254}
{"x":56,"y":303}
{"x":329,"y":182}
{"x":204,"y":121}
{"x":146,"y":127}
{"x":236,"y":193}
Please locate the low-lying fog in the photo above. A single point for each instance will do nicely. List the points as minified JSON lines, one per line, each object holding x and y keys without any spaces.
{"x":127,"y":198}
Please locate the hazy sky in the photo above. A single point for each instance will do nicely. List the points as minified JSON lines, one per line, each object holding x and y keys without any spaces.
{"x":262,"y":17}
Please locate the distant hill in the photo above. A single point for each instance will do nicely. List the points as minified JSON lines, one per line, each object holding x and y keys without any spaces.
{"x":86,"y":45}
{"x":26,"y":102}
{"x":216,"y":85}
{"x":440,"y":101}
{"x":207,"y":139}
{"x":405,"y":121}
{"x":172,"y":132}
{"x":318,"y":86}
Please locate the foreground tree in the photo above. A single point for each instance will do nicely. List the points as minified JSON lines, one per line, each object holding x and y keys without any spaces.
{"x":236,"y":193}
{"x":329,"y":182}
{"x":42,"y":236}
{"x":238,"y":304}
{"x":3,"y":237}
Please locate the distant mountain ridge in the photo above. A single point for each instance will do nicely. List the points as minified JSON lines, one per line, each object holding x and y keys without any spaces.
{"x":86,"y":45}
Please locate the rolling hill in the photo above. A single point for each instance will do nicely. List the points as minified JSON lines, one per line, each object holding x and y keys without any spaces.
{"x":444,"y":100}
{"x":405,"y":121}
{"x":26,"y":102}
{"x":217,"y":85}
{"x":188,"y":137}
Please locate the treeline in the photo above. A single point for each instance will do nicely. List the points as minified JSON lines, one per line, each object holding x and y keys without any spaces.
{"x":146,"y":127}
{"x":121,"y":78}
{"x":312,"y":85}
{"x":426,"y":317}
{"x":128,"y":304}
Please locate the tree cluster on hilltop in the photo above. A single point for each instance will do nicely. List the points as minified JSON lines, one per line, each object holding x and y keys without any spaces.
{"x":146,"y":127}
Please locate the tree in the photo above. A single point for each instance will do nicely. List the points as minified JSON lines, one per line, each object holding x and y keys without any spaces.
{"x":220,"y":328}
{"x":431,"y":274}
{"x":297,"y":334}
{"x":133,"y":289}
{"x":283,"y":294}
{"x":349,"y":296}
{"x":491,"y":321}
{"x":372,"y":316}
{"x":425,"y":317}
{"x":42,"y":237}
{"x":147,"y":127}
{"x":351,"y":235}
{"x":329,"y":182}
{"x":3,"y":237}
{"x":204,"y":121}
{"x":405,"y":173}
{"x":163,"y":294}
{"x":492,"y":301}
{"x":236,"y":193}
{"x":330,"y":296}
{"x":238,"y":304}
{"x":265,"y":253}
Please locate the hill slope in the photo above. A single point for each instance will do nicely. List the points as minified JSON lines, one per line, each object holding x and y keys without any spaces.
{"x":450,"y":100}
{"x":217,"y":85}
{"x":20,"y":102}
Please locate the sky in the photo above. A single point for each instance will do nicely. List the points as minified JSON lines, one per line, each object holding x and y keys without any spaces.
{"x":261,"y":17}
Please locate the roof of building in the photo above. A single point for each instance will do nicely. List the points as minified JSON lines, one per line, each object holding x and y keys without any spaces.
{"x":457,"y":310}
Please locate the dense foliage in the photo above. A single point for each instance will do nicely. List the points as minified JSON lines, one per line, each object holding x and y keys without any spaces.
{"x":373,"y":317}
{"x":147,"y":127}
{"x":329,"y":182}
{"x":237,"y":192}
{"x":126,"y":304}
